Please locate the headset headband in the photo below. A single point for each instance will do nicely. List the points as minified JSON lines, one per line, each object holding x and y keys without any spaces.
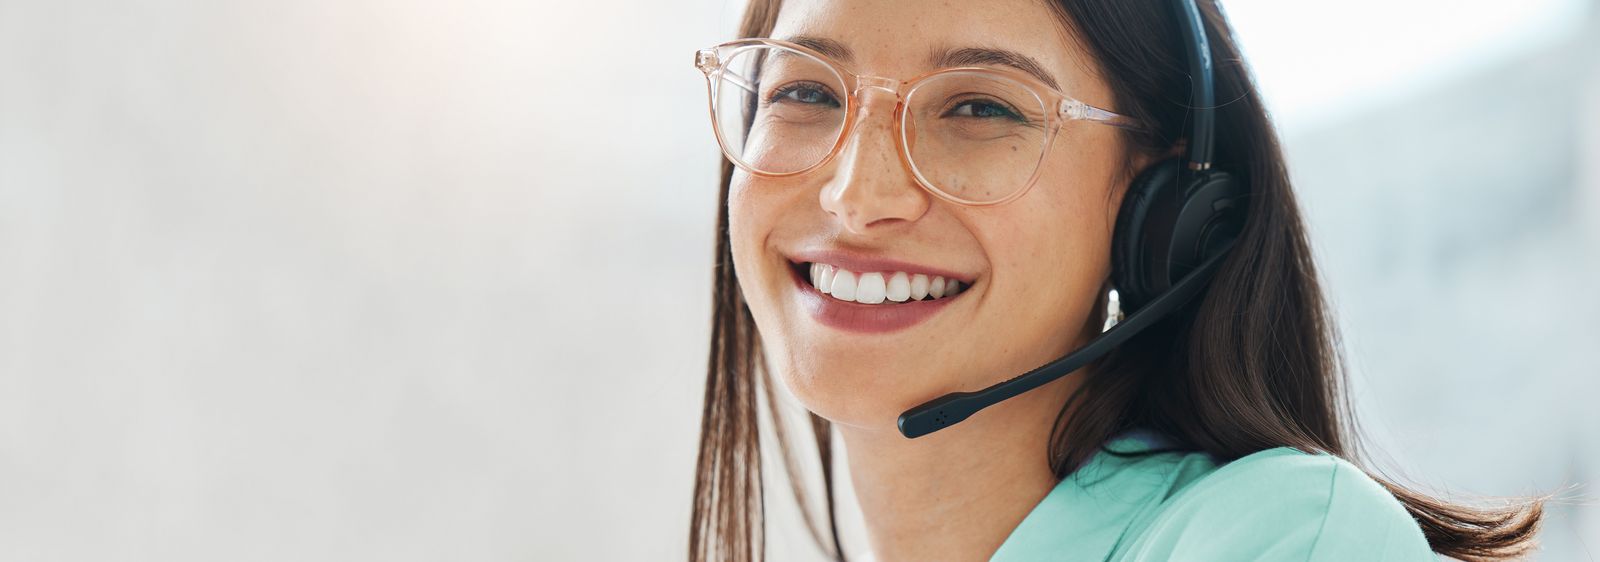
{"x":1202,"y":97}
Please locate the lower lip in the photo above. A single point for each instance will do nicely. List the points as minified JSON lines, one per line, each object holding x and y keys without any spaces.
{"x":865,"y":318}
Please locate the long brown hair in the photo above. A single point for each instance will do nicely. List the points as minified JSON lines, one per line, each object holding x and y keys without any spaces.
{"x":1264,"y":371}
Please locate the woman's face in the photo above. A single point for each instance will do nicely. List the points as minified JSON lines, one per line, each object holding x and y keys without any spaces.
{"x":1031,"y":269}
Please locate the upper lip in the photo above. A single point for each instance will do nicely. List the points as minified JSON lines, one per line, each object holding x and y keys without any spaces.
{"x":860,"y":262}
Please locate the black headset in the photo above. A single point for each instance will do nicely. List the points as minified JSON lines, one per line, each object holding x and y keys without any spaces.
{"x":1177,"y":222}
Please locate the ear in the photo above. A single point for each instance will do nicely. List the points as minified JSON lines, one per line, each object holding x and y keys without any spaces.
{"x":1178,"y":149}
{"x":1143,"y":160}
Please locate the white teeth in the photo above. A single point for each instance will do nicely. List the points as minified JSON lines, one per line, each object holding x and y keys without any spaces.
{"x":870,"y":289}
{"x":877,"y":287}
{"x":844,"y":285}
{"x":919,"y":286}
{"x":899,"y":287}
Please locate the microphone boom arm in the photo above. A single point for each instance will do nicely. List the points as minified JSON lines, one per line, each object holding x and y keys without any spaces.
{"x":950,"y":409}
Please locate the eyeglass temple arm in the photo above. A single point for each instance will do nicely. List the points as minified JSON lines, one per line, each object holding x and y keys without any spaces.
{"x":737,"y":80}
{"x":1074,"y":109}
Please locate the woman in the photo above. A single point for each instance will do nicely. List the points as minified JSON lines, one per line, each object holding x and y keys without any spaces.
{"x":890,"y":233}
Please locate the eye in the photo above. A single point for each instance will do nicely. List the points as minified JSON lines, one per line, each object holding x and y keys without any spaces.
{"x":982,"y":109}
{"x":807,"y":93}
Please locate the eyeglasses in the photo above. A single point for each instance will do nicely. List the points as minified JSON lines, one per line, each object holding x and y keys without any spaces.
{"x":971,"y":135}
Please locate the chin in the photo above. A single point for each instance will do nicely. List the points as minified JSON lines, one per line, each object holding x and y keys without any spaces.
{"x":865,"y":396}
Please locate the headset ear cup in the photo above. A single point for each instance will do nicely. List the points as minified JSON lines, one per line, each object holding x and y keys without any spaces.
{"x":1213,"y":214}
{"x":1130,"y":248}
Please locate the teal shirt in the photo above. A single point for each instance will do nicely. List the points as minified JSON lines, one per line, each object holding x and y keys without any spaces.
{"x":1277,"y":504}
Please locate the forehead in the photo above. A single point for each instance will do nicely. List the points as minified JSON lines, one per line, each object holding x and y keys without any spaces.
{"x":902,"y":38}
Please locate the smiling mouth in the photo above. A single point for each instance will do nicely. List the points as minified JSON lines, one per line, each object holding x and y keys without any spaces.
{"x":883,"y":288}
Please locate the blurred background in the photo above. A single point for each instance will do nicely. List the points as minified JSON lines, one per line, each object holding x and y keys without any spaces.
{"x":404,"y":280}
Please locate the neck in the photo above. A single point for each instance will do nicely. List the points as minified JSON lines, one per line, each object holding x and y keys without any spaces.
{"x":955,"y":494}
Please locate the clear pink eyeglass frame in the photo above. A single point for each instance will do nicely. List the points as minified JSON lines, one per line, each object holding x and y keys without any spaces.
{"x":712,"y":61}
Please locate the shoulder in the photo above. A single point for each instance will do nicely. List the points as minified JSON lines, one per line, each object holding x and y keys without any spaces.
{"x":1283,"y":504}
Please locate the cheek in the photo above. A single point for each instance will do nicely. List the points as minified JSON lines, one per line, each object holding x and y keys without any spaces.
{"x":755,"y":209}
{"x":739,"y":211}
{"x":749,"y":218}
{"x":746,"y":215}
{"x":1077,"y":213}
{"x":1051,"y":255}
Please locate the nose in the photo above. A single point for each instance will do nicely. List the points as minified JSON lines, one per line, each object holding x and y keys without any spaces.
{"x":872,"y":187}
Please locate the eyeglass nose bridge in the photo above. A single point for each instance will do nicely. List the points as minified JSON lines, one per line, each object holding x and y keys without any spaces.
{"x":886,"y":84}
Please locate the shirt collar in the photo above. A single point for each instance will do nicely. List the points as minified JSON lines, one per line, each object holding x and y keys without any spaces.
{"x":1088,"y":512}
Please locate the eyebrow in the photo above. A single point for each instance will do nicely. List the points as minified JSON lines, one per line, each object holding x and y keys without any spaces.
{"x":983,"y":56}
{"x":966,"y":56}
{"x":825,"y":46}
